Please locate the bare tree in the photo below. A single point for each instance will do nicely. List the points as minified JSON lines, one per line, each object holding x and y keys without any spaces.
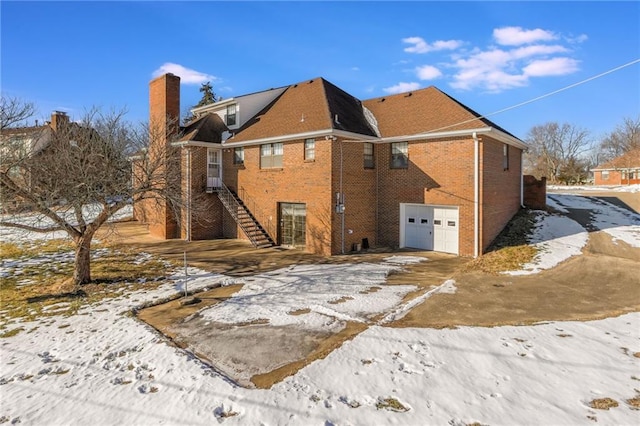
{"x":624,"y":138}
{"x":83,"y":175}
{"x":555,"y":149}
{"x":14,"y":111}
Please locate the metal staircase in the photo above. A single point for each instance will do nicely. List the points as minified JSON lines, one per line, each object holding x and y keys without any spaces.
{"x":244,"y":218}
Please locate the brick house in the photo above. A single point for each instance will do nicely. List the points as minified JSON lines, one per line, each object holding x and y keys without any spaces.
{"x":310,"y":166}
{"x":622,"y":170}
{"x":20,"y":143}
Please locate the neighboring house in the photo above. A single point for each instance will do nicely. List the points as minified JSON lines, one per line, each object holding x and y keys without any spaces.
{"x":19,"y":143}
{"x":310,"y":166}
{"x":623,"y":170}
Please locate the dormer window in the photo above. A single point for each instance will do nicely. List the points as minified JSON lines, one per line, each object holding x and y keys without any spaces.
{"x":231,"y":115}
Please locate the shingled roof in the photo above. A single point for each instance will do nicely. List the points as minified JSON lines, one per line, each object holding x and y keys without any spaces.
{"x":629,"y":160}
{"x":424,"y":110}
{"x":312,"y":105}
{"x":207,"y":128}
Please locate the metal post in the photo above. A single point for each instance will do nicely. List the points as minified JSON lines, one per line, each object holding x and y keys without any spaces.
{"x":186,"y":275}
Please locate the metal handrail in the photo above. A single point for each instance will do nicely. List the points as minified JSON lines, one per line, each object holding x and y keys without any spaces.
{"x":235,"y":206}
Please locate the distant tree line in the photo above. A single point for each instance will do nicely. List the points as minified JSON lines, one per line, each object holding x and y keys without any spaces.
{"x":565,"y":153}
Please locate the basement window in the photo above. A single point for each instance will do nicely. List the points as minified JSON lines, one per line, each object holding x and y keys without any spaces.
{"x":399,"y":155}
{"x":271,"y":155}
{"x":369,"y":162}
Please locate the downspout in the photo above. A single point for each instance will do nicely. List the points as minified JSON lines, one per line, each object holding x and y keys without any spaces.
{"x":521,"y":179}
{"x":476,"y":194}
{"x":188,"y":194}
{"x":341,"y":201}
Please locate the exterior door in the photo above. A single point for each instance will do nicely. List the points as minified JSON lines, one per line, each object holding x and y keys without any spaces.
{"x":214,"y":175}
{"x":445,"y":229}
{"x":293,"y":223}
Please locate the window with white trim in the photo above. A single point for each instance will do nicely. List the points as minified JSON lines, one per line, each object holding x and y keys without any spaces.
{"x":231,"y":114}
{"x":400,"y":155}
{"x":271,"y":155}
{"x":605,"y":175}
{"x":369,"y":162}
{"x":238,"y":155}
{"x":309,"y":149}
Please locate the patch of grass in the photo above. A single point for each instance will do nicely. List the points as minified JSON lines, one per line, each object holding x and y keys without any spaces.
{"x":634,"y":402}
{"x":501,"y":260}
{"x":603,"y":403}
{"x":11,"y":332}
{"x":391,"y":404}
{"x":43,"y":290}
{"x":510,"y":250}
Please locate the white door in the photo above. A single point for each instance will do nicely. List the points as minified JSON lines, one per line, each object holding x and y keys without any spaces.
{"x":445,"y":229}
{"x":418,"y":226}
{"x":214,"y":174}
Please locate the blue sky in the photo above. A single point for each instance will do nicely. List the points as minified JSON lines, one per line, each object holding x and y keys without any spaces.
{"x":489,"y":55}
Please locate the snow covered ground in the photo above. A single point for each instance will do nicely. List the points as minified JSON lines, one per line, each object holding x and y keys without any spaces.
{"x":103,"y":366}
{"x":600,"y":188}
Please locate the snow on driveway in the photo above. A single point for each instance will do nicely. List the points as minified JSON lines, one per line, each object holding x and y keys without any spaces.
{"x":558,"y":237}
{"x":620,"y":223}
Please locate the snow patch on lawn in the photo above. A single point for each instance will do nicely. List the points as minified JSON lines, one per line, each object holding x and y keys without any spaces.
{"x":556,"y":239}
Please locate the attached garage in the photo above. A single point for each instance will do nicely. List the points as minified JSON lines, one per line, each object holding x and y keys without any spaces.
{"x":428,"y":227}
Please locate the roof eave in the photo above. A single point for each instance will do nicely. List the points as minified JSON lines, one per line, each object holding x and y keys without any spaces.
{"x":298,"y":136}
{"x":185,"y":144}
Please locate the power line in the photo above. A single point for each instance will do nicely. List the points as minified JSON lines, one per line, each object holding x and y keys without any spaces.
{"x":612,"y":70}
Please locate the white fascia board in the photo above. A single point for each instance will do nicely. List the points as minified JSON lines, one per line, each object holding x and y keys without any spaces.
{"x":212,"y":107}
{"x":497,"y":134}
{"x":284,"y":138}
{"x":184,"y":144}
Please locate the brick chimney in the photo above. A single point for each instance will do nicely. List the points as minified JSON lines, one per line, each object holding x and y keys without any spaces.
{"x":164,"y":116}
{"x":58,"y":120}
{"x":164,"y":103}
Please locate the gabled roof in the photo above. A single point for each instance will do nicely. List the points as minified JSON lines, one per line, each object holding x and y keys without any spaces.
{"x":424,"y":110}
{"x":312,"y":105}
{"x":207,"y":128}
{"x":629,"y":160}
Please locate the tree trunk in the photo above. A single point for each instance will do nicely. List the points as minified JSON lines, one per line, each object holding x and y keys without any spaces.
{"x":82,"y":269}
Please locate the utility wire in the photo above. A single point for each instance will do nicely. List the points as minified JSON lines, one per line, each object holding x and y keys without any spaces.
{"x":612,"y":70}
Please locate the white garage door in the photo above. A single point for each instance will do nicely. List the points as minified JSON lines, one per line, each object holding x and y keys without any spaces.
{"x":430,"y":227}
{"x":445,"y":229}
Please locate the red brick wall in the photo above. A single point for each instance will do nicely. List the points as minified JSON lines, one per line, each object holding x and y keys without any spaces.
{"x":499,"y":189}
{"x":205,"y":208}
{"x":439,"y":173}
{"x":298,"y":181}
{"x":615,"y":178}
{"x":535,"y":192}
{"x":359,"y":188}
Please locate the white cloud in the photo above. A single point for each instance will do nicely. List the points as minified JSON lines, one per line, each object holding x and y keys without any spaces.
{"x":554,"y":66}
{"x":515,"y":36}
{"x":428,"y":72}
{"x":187,"y":75}
{"x":402,"y":87}
{"x":355,"y":69}
{"x":421,"y":46}
{"x":577,"y":39}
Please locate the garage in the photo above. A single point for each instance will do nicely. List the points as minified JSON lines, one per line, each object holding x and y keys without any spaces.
{"x":429,"y":227}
